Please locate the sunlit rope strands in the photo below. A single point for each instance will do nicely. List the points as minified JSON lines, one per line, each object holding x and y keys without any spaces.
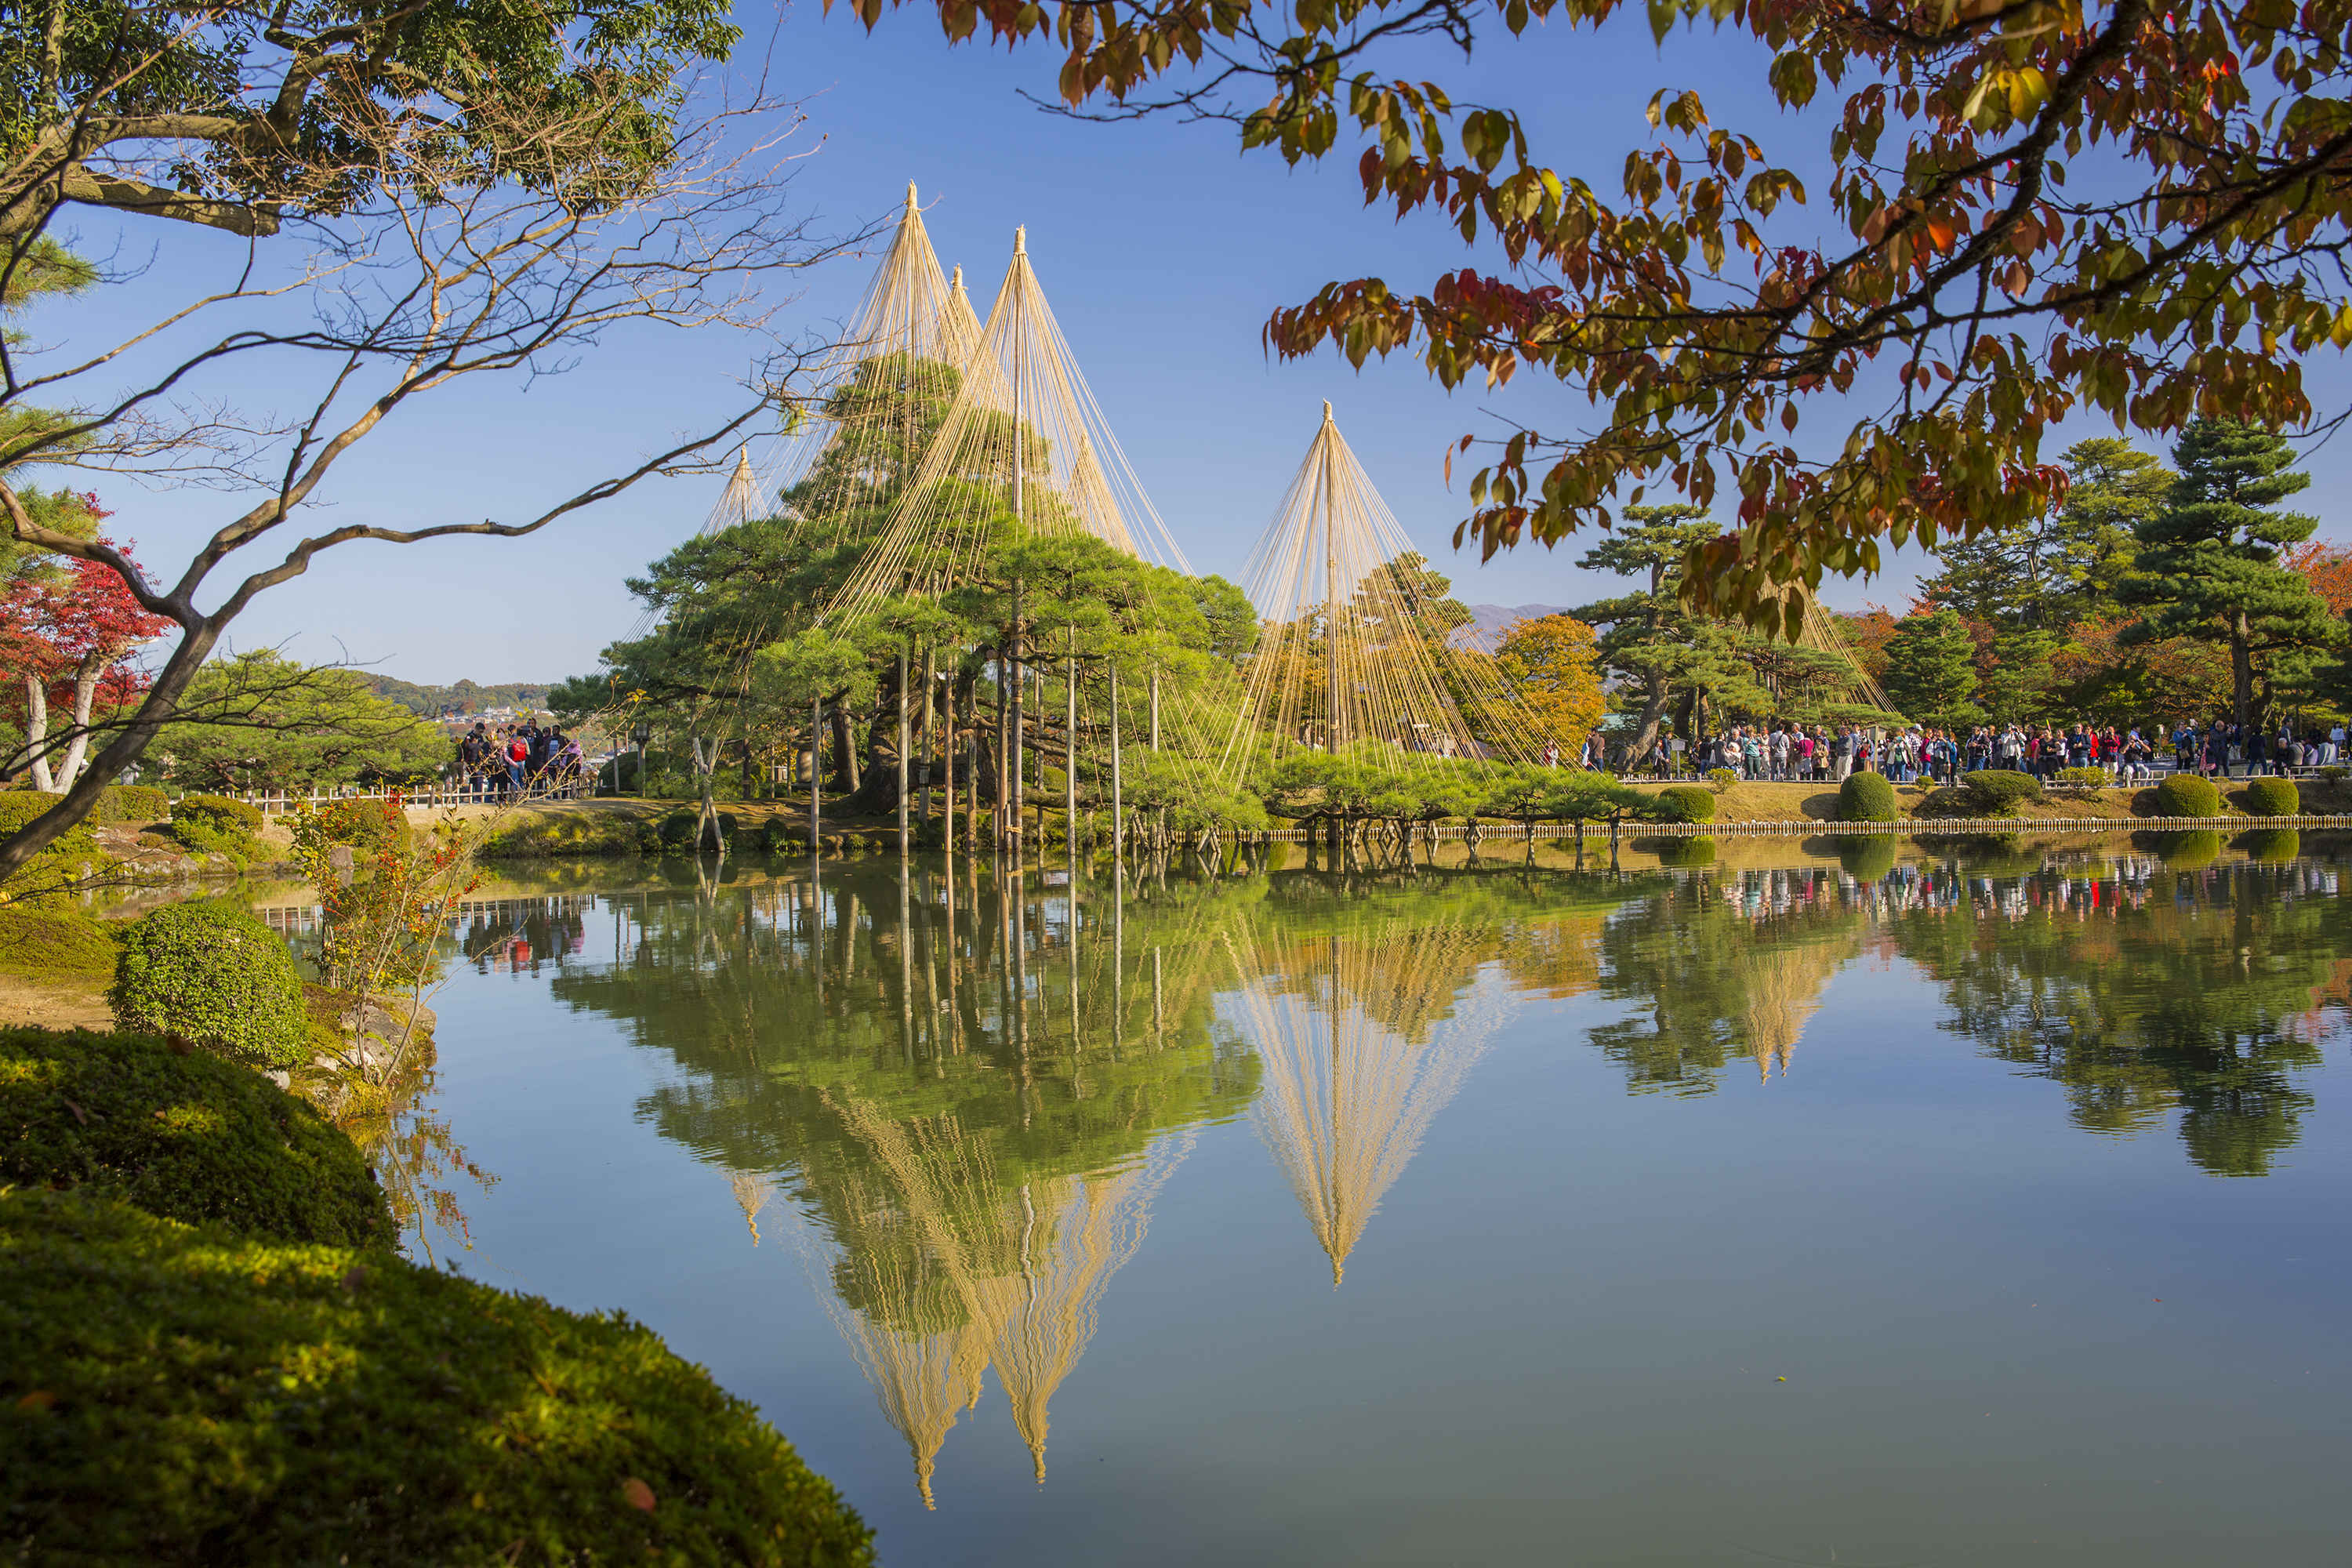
{"x":1352,"y":654}
{"x":1024,"y":437}
{"x":867,"y":407}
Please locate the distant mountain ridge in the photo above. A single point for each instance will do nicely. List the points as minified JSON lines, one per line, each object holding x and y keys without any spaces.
{"x":465,"y":697}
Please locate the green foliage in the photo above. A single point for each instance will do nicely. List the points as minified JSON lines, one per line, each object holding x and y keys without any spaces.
{"x":213,"y":976}
{"x":2211,"y":564}
{"x":2186,"y":794}
{"x":260,"y":721}
{"x":2081,"y":782}
{"x":1680,"y":852}
{"x":220,"y":811}
{"x":2271,"y":845}
{"x":677,"y":830}
{"x":1684,"y":803}
{"x":1931,"y":670}
{"x":2189,"y":851}
{"x":2000,"y":791}
{"x":1722,"y":779}
{"x":183,"y":1135}
{"x":70,"y":857}
{"x":1867,"y":796}
{"x":132,"y":803}
{"x":2271,"y":797}
{"x":368,"y":826}
{"x":465,"y":697}
{"x":531,"y":835}
{"x":216,"y":1398}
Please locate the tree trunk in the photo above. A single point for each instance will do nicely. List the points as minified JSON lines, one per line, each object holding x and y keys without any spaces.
{"x":1653,"y":707}
{"x":844,"y":752}
{"x":85,"y":696}
{"x":37,"y":731}
{"x":2241,"y":673}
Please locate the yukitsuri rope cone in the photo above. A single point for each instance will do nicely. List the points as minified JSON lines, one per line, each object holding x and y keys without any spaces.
{"x":1025,"y":438}
{"x":874,"y":396}
{"x":1353,"y":658}
{"x":744,"y":499}
{"x":1361,"y":1051}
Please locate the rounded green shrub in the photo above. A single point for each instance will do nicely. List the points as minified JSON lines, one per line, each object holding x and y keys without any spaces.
{"x":211,"y":975}
{"x":1999,"y":792}
{"x":1867,"y":797}
{"x":132,"y":803}
{"x":180,"y":1393}
{"x":677,"y":829}
{"x":2272,"y":797}
{"x":2186,"y":794}
{"x":218,"y":811}
{"x":1685,"y":802}
{"x":1721,"y":778}
{"x":185,"y":1136}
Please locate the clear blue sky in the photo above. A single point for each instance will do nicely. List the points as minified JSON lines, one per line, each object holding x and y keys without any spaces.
{"x":1162,"y":250}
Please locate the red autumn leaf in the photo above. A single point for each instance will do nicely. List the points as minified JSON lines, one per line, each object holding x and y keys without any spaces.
{"x":637,"y":1495}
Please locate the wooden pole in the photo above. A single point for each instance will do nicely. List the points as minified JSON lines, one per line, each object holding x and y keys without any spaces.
{"x":903,"y":742}
{"x":1117,"y":822}
{"x":1070,"y":756}
{"x":816,"y":771}
{"x":948,"y":757}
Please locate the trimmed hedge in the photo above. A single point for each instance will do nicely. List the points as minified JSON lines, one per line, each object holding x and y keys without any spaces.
{"x":1685,"y":802}
{"x":2186,"y":794}
{"x":211,"y":975}
{"x":178,"y":1394}
{"x":1867,"y":797}
{"x":2271,"y":797}
{"x":132,"y":803}
{"x":677,"y":829}
{"x":188,"y":1137}
{"x":1999,"y":792}
{"x":220,"y":811}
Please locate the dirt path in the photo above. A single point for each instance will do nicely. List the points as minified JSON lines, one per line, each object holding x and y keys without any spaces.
{"x":52,"y":1004}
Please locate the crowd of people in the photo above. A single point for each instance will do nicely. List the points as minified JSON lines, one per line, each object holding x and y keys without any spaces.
{"x":518,"y":760}
{"x":1823,"y":753}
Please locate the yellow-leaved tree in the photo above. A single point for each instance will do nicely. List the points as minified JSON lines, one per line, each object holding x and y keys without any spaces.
{"x":1552,"y":662}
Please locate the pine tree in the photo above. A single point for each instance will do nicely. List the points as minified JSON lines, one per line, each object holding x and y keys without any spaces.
{"x":1665,"y":652}
{"x":1931,"y":670}
{"x":2212,"y":564}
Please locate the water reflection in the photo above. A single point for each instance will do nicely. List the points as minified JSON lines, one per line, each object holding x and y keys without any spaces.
{"x":968,"y":1091}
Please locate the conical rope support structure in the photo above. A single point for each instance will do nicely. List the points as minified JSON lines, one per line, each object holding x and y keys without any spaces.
{"x":1354,"y":653}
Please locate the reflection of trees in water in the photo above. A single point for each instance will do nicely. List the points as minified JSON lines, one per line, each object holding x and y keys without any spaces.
{"x":2146,"y":990}
{"x":1717,"y":968}
{"x":973,"y":1105}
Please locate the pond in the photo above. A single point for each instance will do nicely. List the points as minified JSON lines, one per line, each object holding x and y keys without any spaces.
{"x":1846,"y":1202}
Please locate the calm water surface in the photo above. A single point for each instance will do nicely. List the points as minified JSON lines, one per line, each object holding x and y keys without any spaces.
{"x":1817,"y":1203}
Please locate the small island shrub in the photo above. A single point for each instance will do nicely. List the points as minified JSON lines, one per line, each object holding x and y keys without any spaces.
{"x":1867,"y":797}
{"x":220,"y":810}
{"x":185,"y":1136}
{"x":2334,"y":775}
{"x":1684,"y":803}
{"x":208,"y":1397}
{"x":2271,"y":797}
{"x":2000,"y":792}
{"x":213,"y":976}
{"x":2081,"y":782}
{"x":132,"y":803}
{"x":677,"y":829}
{"x":2186,"y":794}
{"x":1722,"y":779}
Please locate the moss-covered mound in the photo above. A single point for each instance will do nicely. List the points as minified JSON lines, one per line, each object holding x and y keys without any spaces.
{"x":187,"y":1137}
{"x":174,"y":1393}
{"x":212,"y":975}
{"x":69,"y":857}
{"x":55,"y":943}
{"x":2000,"y":792}
{"x":1867,"y":797}
{"x":2186,"y":794}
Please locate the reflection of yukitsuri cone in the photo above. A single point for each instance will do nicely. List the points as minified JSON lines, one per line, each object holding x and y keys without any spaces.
{"x":1074,"y":1233}
{"x":1352,"y":1080}
{"x":1781,"y":985}
{"x":751,"y":1196}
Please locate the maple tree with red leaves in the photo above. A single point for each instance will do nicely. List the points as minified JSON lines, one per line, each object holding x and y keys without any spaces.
{"x":2034,"y":210}
{"x":2328,"y":569}
{"x":67,"y":630}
